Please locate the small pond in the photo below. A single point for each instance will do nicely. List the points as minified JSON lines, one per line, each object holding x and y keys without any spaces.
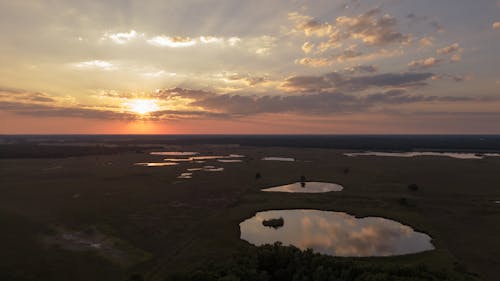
{"x":285,"y":159}
{"x":306,"y":187}
{"x":186,"y":175}
{"x":334,"y":233}
{"x":174,"y":153}
{"x":158,"y":164}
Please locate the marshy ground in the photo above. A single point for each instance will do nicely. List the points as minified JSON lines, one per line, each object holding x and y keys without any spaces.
{"x":169,"y":224}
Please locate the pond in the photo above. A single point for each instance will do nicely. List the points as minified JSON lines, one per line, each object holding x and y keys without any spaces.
{"x":306,"y":187}
{"x":285,"y":159}
{"x":174,"y":153}
{"x":212,"y":169}
{"x":178,"y":159}
{"x":186,"y":175}
{"x":156,"y":164}
{"x":456,"y":155}
{"x":198,"y":159}
{"x":334,"y":233}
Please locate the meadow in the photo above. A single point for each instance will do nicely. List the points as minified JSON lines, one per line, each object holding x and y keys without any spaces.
{"x":150,"y":225}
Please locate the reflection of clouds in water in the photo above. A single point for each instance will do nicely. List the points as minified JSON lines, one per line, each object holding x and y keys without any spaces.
{"x":306,"y":187}
{"x":336,"y":233}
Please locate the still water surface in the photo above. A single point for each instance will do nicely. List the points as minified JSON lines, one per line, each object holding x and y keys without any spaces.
{"x":335,"y":233}
{"x":306,"y":187}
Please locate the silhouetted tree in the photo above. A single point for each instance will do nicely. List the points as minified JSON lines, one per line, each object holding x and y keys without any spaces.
{"x":413,"y":187}
{"x":403,"y":201}
{"x":136,"y":277}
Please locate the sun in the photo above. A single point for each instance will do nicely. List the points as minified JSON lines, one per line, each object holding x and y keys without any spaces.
{"x":142,"y":106}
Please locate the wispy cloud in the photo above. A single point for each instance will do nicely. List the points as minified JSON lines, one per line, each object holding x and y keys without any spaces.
{"x":424,"y":63}
{"x":173,"y":42}
{"x":122,"y":37}
{"x":95,"y":64}
{"x":347,"y":83}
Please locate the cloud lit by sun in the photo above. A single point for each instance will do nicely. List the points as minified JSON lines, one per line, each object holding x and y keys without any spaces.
{"x":142,"y":106}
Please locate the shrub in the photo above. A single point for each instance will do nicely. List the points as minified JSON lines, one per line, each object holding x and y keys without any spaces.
{"x":413,"y":187}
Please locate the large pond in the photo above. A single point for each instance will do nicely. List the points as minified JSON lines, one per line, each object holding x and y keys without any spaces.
{"x":456,"y":155}
{"x":334,"y":233}
{"x":306,"y":187}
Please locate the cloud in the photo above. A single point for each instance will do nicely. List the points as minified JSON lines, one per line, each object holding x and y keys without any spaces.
{"x":361,"y":69}
{"x":315,"y":62}
{"x":454,"y":50}
{"x":211,"y":39}
{"x":339,"y":82}
{"x":496,"y":25}
{"x":122,"y":37}
{"x":324,"y":103}
{"x":248,"y":79}
{"x":95,"y":64}
{"x":43,"y":110}
{"x":8,"y":90}
{"x":372,"y":27}
{"x":172,"y":42}
{"x":262,"y":45}
{"x":13,"y":94}
{"x":452,"y":77}
{"x":307,"y":47}
{"x":424,"y":63}
{"x":205,"y":104}
{"x":158,"y":74}
{"x":448,"y":49}
{"x":426,"y":41}
{"x":349,"y":54}
{"x":233,"y":41}
{"x":309,"y":25}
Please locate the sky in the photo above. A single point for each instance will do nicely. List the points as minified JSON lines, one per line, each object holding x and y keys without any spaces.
{"x":250,"y":67}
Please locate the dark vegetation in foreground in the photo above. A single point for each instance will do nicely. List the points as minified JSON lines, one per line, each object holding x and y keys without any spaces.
{"x":278,"y":263}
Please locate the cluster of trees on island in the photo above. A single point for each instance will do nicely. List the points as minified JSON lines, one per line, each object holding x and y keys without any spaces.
{"x":279,"y":263}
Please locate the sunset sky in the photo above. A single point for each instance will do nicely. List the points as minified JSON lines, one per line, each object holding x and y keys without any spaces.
{"x":244,"y":67}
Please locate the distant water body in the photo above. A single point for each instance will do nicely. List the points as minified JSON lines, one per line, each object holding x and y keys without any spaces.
{"x":455,"y":155}
{"x":431,"y":143}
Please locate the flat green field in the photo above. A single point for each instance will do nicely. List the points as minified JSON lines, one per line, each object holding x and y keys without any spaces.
{"x":154,"y":224}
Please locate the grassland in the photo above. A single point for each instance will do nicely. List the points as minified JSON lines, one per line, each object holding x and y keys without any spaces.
{"x":181,"y":224}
